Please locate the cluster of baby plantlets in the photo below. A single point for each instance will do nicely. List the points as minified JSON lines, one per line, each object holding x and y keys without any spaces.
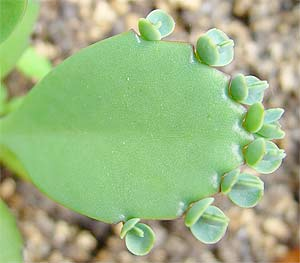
{"x":208,"y":223}
{"x":136,"y":128}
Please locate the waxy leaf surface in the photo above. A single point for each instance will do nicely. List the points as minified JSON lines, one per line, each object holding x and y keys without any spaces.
{"x":128,"y":128}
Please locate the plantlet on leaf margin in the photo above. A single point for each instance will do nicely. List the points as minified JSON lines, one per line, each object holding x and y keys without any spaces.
{"x":153,"y":136}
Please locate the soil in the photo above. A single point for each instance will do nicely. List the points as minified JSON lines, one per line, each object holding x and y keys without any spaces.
{"x":266,"y":35}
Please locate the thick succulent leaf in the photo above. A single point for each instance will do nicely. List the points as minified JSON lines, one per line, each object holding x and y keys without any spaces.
{"x":12,"y":48}
{"x":128,"y":128}
{"x":211,"y":226}
{"x":10,"y":238}
{"x":11,"y":12}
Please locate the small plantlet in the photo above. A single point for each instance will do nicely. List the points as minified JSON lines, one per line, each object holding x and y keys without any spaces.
{"x":134,"y":128}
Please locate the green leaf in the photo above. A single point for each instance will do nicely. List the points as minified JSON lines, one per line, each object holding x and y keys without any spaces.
{"x":148,"y":31}
{"x":256,"y":88}
{"x":247,"y":191}
{"x":254,"y":117}
{"x":163,"y":21}
{"x":271,"y":160}
{"x":12,"y":48}
{"x":196,"y":211}
{"x":33,"y":64}
{"x":7,"y":106}
{"x":239,"y":88}
{"x":207,"y":50}
{"x":11,"y":12}
{"x":215,"y":48}
{"x":211,"y":226}
{"x":158,"y":24}
{"x":271,"y":131}
{"x":255,"y":151}
{"x":207,"y":223}
{"x":128,"y":128}
{"x":10,"y":238}
{"x":128,"y":226}
{"x":6,"y":156}
{"x":137,"y":244}
{"x":271,"y":128}
{"x":10,"y":160}
{"x":14,"y":104}
{"x":229,"y":180}
{"x":273,"y":115}
{"x":247,"y":89}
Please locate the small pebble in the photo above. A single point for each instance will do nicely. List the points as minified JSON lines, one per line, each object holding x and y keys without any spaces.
{"x":85,"y":240}
{"x":62,"y":233}
{"x":7,"y":188}
{"x":277,"y":228}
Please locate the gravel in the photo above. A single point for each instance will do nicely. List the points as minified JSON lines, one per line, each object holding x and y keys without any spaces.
{"x":266,"y":35}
